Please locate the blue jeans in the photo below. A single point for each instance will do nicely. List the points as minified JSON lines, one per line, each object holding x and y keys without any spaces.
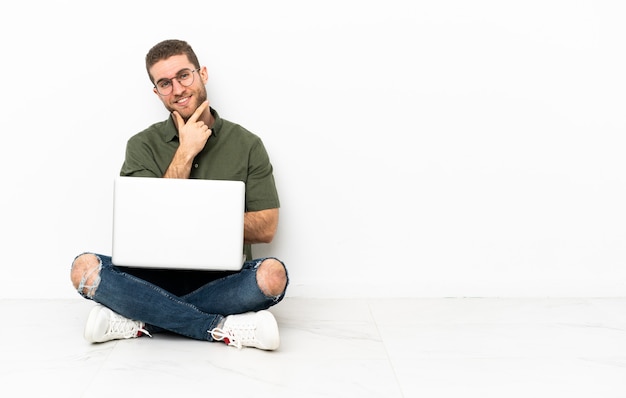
{"x":192,"y":314}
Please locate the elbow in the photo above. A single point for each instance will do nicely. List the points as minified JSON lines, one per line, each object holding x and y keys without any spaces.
{"x":268,"y":236}
{"x":258,"y":238}
{"x":260,"y":227}
{"x":267,"y":239}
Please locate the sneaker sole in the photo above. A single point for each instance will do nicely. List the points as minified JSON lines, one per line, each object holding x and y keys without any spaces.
{"x":92,"y":323}
{"x":269,"y":323}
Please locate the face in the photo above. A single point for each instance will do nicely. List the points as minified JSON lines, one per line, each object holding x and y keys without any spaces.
{"x":183,"y":99}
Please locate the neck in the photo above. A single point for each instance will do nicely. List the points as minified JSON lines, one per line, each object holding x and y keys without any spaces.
{"x":209,"y":120}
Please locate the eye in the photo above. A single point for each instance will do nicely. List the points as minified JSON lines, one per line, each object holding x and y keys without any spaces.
{"x":164,"y":83}
{"x":184,"y":75}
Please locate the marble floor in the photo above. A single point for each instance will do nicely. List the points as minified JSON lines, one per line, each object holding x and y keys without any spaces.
{"x":388,"y":348}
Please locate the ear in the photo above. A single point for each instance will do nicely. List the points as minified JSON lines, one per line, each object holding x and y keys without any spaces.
{"x":205,"y":74}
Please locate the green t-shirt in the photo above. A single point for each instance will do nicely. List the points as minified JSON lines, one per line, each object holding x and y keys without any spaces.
{"x":231,"y":153}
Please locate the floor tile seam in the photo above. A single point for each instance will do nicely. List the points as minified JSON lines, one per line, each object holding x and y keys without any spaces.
{"x":389,"y":360}
{"x":100,"y":368}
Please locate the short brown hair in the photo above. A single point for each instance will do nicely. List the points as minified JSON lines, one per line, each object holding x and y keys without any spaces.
{"x":169,"y":48}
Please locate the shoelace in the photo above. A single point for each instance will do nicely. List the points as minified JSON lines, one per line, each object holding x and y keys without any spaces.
{"x":244,"y":334}
{"x":124,"y":327}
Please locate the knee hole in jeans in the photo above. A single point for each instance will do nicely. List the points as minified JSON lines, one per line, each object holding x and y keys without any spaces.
{"x":272,"y":277}
{"x":85,"y":274}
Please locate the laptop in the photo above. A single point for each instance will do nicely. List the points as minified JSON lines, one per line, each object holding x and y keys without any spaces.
{"x":171,"y":223}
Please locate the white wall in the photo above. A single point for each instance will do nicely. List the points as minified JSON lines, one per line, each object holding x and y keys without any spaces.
{"x":421,"y":148}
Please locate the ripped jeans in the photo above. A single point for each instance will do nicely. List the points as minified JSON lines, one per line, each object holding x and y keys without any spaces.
{"x":192,"y":314}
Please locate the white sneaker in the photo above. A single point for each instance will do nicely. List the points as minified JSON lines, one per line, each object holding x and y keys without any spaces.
{"x":252,"y":329}
{"x":104,"y":325}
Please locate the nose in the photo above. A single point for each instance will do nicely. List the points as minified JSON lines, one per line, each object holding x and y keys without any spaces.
{"x":177,"y":87}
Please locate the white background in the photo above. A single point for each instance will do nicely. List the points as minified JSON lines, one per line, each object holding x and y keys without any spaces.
{"x":421,"y":148}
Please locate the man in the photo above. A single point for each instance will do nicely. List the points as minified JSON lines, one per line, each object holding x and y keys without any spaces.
{"x":194,"y":142}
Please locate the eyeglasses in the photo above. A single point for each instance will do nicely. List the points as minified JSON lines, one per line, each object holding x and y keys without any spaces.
{"x":184,"y":77}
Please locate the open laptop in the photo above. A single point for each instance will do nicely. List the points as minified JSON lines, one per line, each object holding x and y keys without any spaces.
{"x":178,"y":223}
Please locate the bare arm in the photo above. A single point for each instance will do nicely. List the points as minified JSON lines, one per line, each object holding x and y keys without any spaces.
{"x":180,"y":167}
{"x":260,"y":226}
{"x":193,"y":135}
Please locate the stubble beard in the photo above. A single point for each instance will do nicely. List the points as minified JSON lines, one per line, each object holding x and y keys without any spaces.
{"x":199,"y":97}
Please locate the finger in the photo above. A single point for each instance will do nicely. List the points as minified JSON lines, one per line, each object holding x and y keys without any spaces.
{"x":198,"y":112}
